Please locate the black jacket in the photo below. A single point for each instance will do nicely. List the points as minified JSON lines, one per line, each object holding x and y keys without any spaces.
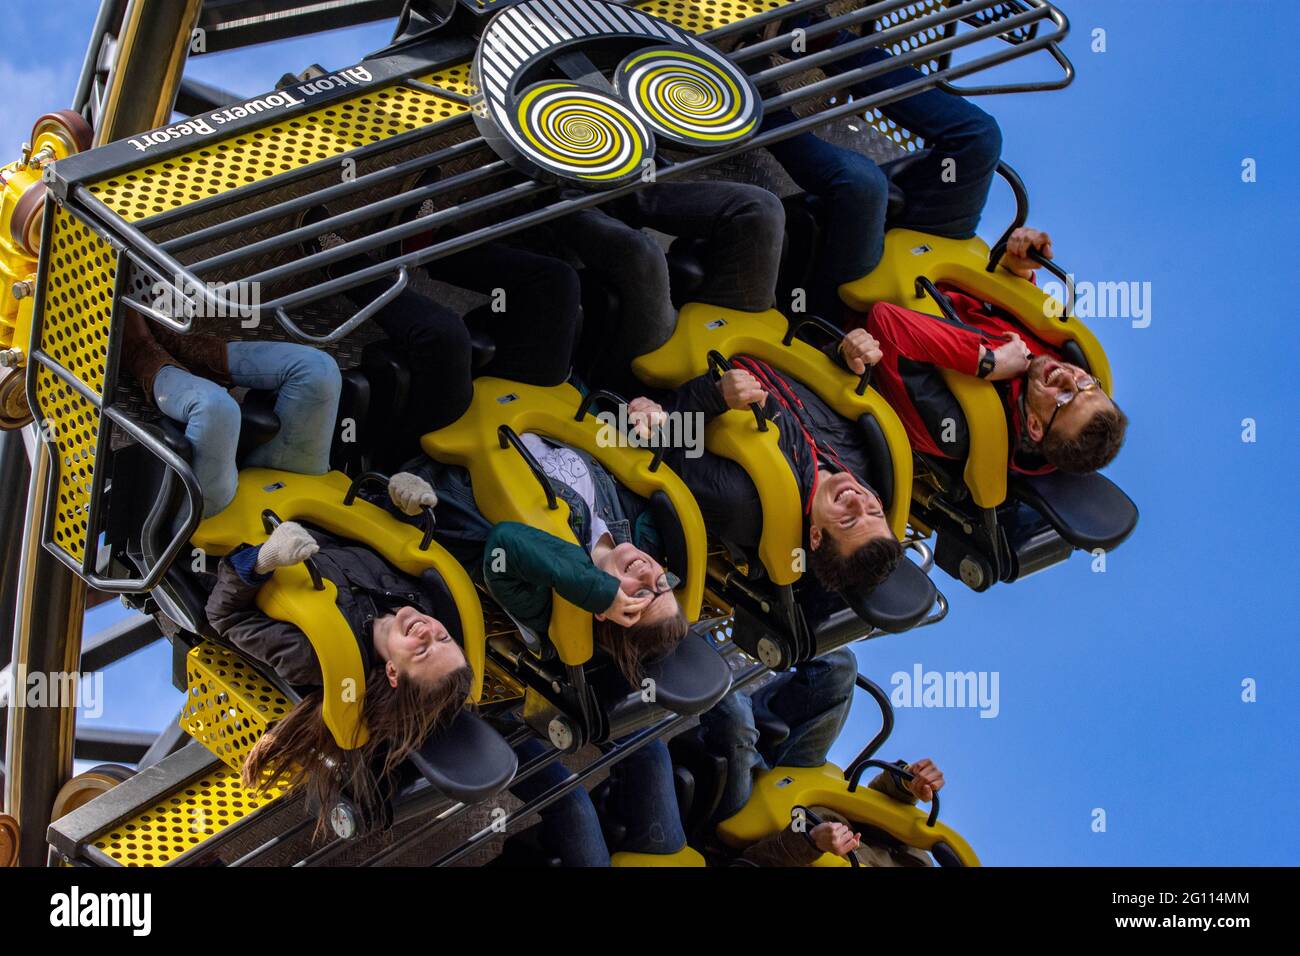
{"x":367,"y":585}
{"x":726,"y":495}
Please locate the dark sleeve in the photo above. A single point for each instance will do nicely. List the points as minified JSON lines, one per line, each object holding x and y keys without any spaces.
{"x":886,"y":783}
{"x":522,"y":565}
{"x":924,"y":338}
{"x":786,"y":848}
{"x":233,"y":613}
{"x":700,"y":394}
{"x":726,"y":495}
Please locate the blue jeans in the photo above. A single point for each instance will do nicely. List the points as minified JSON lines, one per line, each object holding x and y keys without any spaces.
{"x":963,"y":141}
{"x":813,"y":700}
{"x":642,"y":796}
{"x":307,"y":383}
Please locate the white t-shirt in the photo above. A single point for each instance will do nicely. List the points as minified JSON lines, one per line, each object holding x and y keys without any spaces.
{"x":564,"y":465}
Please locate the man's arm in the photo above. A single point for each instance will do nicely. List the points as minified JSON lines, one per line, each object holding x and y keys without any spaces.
{"x":933,"y":341}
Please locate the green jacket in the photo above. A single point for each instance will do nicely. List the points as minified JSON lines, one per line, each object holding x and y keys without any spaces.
{"x":523,"y":565}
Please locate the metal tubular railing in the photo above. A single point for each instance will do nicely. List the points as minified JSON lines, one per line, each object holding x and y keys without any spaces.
{"x":159,"y":256}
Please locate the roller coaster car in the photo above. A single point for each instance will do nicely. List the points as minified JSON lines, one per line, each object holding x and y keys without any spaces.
{"x":765,"y":587}
{"x":782,"y":794}
{"x":467,"y":760}
{"x":574,"y":695}
{"x":992,"y":525}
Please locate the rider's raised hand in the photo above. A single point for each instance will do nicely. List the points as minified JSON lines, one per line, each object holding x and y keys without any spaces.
{"x":860,"y":349}
{"x":740,"y":389}
{"x":626,"y":610}
{"x":289,"y":544}
{"x":1016,"y":258}
{"x":646,"y":415}
{"x":835,"y":838}
{"x":411,"y":493}
{"x":1011,"y":359}
{"x":927,"y":780}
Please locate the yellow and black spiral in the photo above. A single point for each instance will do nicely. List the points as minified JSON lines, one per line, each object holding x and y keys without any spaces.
{"x":687,"y":98}
{"x":579,"y":132}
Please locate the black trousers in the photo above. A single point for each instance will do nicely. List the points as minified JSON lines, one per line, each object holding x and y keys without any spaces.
{"x":533,"y":319}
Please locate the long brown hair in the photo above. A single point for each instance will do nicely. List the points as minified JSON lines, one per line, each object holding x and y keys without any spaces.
{"x":642,"y":643}
{"x":303,"y":754}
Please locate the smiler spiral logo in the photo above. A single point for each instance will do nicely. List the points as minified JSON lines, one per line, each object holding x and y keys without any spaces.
{"x":586,"y":128}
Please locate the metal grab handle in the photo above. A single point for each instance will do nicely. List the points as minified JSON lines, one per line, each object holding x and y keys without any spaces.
{"x":179,"y":470}
{"x":1038,"y":87}
{"x":794,"y":327}
{"x":362,"y":315}
{"x":590,"y":399}
{"x":900,"y":773}
{"x":1060,"y":273}
{"x":924,"y":286}
{"x":718,"y":365}
{"x":1021,"y":195}
{"x":507,"y":437}
{"x":378,"y":478}
{"x":816,"y":821}
{"x":271,"y":521}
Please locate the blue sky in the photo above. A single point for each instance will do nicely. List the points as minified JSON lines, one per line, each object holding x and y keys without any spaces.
{"x":1119,"y":690}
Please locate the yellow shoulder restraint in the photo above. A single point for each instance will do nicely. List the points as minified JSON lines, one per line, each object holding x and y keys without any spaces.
{"x":505,"y":488}
{"x":779,"y":791}
{"x":702,"y":329}
{"x":291,"y":595}
{"x":961,"y":263}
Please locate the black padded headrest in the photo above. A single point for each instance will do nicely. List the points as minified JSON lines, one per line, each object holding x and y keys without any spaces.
{"x":258,"y":423}
{"x":172,"y":434}
{"x":671,"y":533}
{"x":894,"y":171}
{"x":467,"y":760}
{"x":1089,"y":511}
{"x":692,"y":678}
{"x":686,"y":274}
{"x":482,"y":347}
{"x":899,"y":603}
{"x":880,"y":462}
{"x":1073,"y":353}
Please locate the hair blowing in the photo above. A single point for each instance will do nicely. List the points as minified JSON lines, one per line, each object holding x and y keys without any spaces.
{"x":303,"y":755}
{"x":642,"y":643}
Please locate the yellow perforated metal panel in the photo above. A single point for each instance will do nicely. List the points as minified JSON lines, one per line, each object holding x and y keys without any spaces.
{"x":229,"y":705}
{"x":183,"y":820}
{"x":81,"y":273}
{"x":700,"y":16}
{"x":258,"y":155}
{"x":887,"y":127}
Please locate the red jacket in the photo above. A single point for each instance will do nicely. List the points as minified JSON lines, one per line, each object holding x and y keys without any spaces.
{"x":914,"y":343}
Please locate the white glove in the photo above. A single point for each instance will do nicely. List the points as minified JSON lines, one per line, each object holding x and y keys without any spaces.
{"x":411,"y":493}
{"x":289,"y":544}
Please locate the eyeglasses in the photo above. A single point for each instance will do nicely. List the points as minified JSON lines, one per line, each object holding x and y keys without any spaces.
{"x":667,"y":582}
{"x":1065,"y":398}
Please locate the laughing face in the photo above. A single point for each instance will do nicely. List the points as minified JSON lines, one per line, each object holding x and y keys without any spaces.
{"x":847,"y":511}
{"x":1050,"y":382}
{"x":416,"y":646}
{"x":640,"y":575}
